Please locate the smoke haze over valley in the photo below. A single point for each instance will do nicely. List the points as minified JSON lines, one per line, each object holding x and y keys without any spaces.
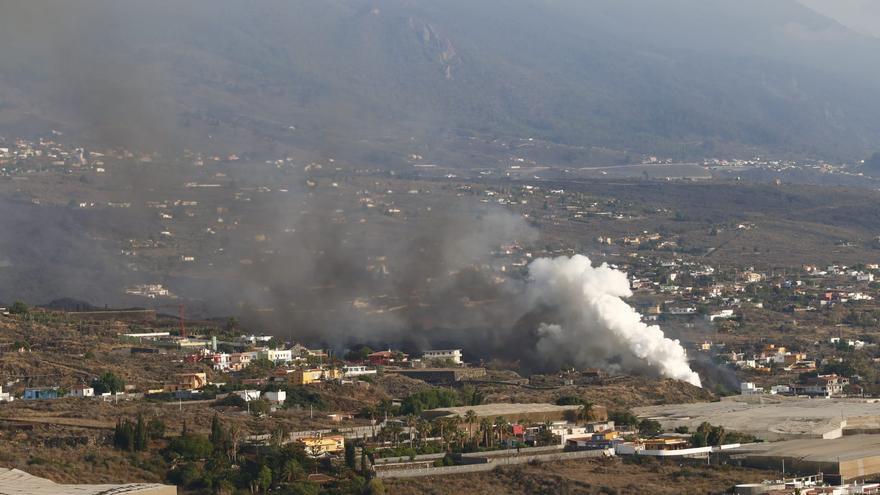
{"x":361,"y":79}
{"x":348,"y":171}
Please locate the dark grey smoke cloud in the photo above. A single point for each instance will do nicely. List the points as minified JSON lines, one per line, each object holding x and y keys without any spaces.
{"x":92,"y":75}
{"x":859,"y":15}
{"x":335,"y":284}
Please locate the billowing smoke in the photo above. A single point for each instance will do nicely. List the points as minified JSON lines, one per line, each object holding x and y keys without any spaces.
{"x":592,"y":325}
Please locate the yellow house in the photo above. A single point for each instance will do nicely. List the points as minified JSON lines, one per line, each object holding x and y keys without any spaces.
{"x":605,"y":435}
{"x":187,"y":381}
{"x":305,"y":377}
{"x":327,"y":444}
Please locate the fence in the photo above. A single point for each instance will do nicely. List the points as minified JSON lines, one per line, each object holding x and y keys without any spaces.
{"x":491,"y":464}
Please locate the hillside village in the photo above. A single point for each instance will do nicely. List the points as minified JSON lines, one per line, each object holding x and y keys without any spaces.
{"x":174,"y":392}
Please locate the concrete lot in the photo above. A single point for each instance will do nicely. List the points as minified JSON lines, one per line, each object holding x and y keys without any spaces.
{"x":773,"y":417}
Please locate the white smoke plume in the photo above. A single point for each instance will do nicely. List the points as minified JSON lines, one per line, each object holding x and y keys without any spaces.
{"x":593,"y":325}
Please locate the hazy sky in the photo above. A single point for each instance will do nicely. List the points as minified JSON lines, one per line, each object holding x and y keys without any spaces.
{"x":860,"y":15}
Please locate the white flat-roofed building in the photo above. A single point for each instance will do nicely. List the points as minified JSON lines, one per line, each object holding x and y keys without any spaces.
{"x":82,"y":391}
{"x":749,"y":388}
{"x":275,"y":397}
{"x":453,"y":355}
{"x":248,"y":395}
{"x":277,"y":356}
{"x":357,"y":370}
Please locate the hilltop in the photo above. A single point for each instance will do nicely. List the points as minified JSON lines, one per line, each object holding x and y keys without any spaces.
{"x":375,"y":81}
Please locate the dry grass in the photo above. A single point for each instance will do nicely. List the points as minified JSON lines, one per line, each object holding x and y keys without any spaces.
{"x":613,"y":476}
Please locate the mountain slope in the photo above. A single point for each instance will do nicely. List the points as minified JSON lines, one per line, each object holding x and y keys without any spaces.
{"x":679,"y":77}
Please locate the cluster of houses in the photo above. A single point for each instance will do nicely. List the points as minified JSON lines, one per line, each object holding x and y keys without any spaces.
{"x":49,"y":393}
{"x":824,"y":386}
{"x":604,"y":436}
{"x":773,"y":356}
{"x":303,"y":357}
{"x":727,"y":292}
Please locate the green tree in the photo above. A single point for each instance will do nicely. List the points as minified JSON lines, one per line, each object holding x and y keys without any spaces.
{"x":156,"y":429}
{"x":191,"y":446}
{"x":259,"y":407}
{"x":108,"y":382}
{"x":292,"y":470}
{"x":623,"y":418}
{"x":650,"y":428}
{"x":264,"y":478}
{"x":140,"y":434}
{"x":123,"y":435}
{"x":358,"y":353}
{"x":470,"y":396}
{"x":218,"y":435}
{"x":376,"y":487}
{"x":428,"y":399}
{"x":569,"y":400}
{"x":716,"y":436}
{"x":303,"y":488}
{"x":19,"y":308}
{"x":350,"y":455}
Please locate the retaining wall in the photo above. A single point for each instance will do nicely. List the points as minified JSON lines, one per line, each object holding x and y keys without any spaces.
{"x":493,"y":463}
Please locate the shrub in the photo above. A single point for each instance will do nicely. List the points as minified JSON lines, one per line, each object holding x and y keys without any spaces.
{"x":191,"y":446}
{"x":428,"y":399}
{"x":19,"y":308}
{"x":108,"y":382}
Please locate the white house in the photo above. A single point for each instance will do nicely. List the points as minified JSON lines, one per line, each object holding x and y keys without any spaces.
{"x":357,"y":370}
{"x":248,"y":395}
{"x":561,"y":429}
{"x":221,"y":361}
{"x":453,"y":355}
{"x":724,"y":314}
{"x":275,"y":397}
{"x":277,"y":356}
{"x":81,"y":391}
{"x":5,"y":396}
{"x":749,"y":388}
{"x":780,"y":389}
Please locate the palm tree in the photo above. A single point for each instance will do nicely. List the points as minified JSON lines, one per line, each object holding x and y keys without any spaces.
{"x":454,"y":423}
{"x":501,"y":425}
{"x":585,"y":411}
{"x":439,"y":425}
{"x":448,"y":426}
{"x":423,"y":426}
{"x":486,"y":428}
{"x":391,"y":432}
{"x":411,"y":422}
{"x":470,"y":417}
